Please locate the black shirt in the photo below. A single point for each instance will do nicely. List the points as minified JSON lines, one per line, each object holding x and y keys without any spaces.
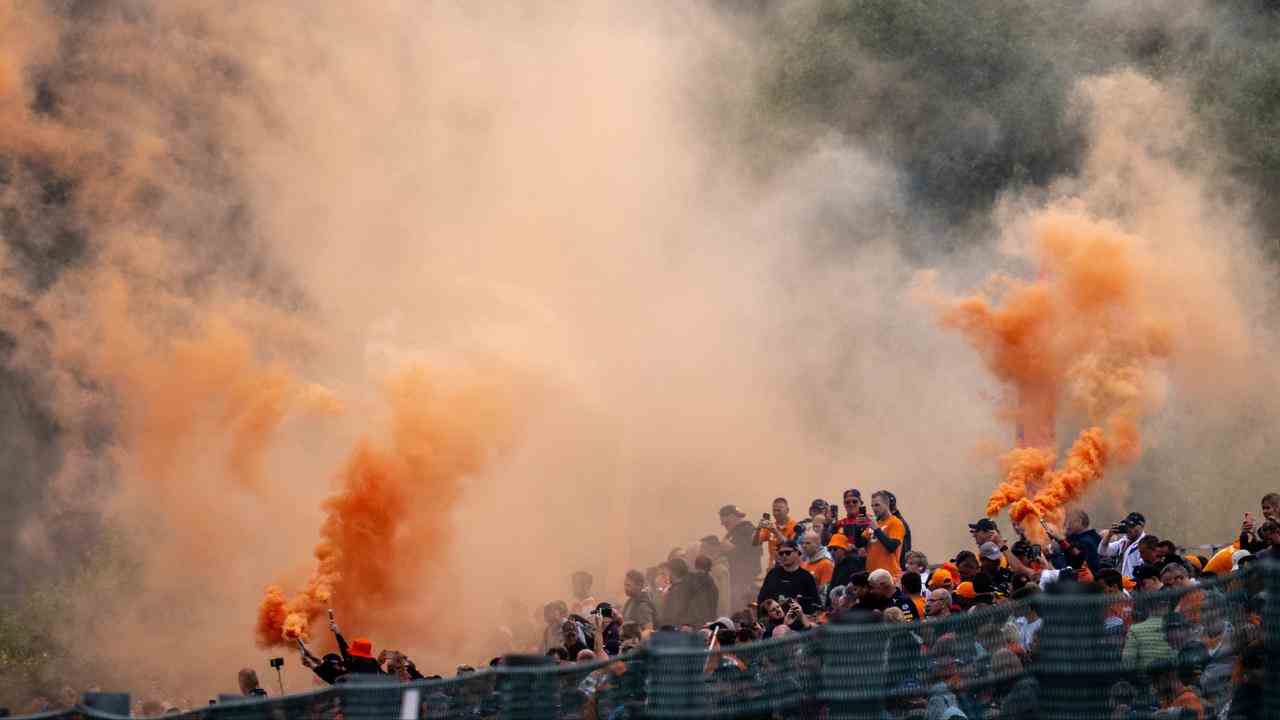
{"x":797,"y":584}
{"x":899,"y":600}
{"x":744,"y":559}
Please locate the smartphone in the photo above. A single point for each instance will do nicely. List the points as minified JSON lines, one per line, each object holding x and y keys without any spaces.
{"x":606,"y":612}
{"x":764,"y":518}
{"x":277,"y":662}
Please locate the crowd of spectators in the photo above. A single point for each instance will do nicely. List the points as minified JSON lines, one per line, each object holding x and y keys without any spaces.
{"x":1184,"y":628}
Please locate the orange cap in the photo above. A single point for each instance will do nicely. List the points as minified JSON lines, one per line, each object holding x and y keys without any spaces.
{"x":944,"y":572}
{"x":839,"y":541}
{"x":966,"y":590}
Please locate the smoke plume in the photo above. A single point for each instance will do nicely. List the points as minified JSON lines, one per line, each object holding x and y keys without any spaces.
{"x":413,"y":309}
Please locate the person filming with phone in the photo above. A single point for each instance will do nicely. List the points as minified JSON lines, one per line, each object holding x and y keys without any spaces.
{"x":776,"y":529}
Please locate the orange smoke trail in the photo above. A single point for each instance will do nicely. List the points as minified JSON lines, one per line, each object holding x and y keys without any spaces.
{"x":387,"y":527}
{"x":1084,"y":333}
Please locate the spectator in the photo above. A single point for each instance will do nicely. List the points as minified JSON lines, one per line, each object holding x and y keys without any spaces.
{"x":1079,"y":548}
{"x":1028,"y":620}
{"x":705,"y":598}
{"x":789,"y":579}
{"x":679,"y":607}
{"x":559,"y":654}
{"x":815,"y":558}
{"x":1269,"y":536}
{"x":846,"y":560}
{"x":554,"y":613}
{"x":639,"y":607}
{"x":712,"y":549}
{"x":906,"y":528}
{"x":607,"y":625}
{"x":884,"y":540}
{"x":328,"y":669}
{"x":1147,"y":578}
{"x":1145,"y":648}
{"x":572,"y":638}
{"x":743,"y":553}
{"x":249,"y":686}
{"x":967,"y":566}
{"x":918,"y":563}
{"x":913,"y":588}
{"x":358,"y":657}
{"x":1175,"y":577}
{"x":583,"y":602}
{"x":820,"y":520}
{"x":883,"y":594}
{"x":855,"y":520}
{"x":776,"y":529}
{"x":1174,"y":696}
{"x":774,"y":615}
{"x":992,"y":564}
{"x":938,"y":604}
{"x":984,"y":531}
{"x":1248,"y":702}
{"x":1125,"y":548}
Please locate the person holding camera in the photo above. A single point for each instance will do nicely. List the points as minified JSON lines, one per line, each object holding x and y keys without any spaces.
{"x":789,"y":579}
{"x":1125,"y":548}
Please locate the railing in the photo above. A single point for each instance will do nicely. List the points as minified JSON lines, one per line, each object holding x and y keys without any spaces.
{"x":1078,"y":667}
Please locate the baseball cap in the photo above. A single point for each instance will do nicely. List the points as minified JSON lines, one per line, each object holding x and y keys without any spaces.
{"x":965,"y":590}
{"x":990,"y":551}
{"x":1135,"y":518}
{"x":789,"y":544}
{"x":1237,"y":556}
{"x":731,"y":510}
{"x":983,"y":525}
{"x":723,"y":622}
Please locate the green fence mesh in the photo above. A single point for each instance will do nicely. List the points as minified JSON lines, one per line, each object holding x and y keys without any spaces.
{"x":1065,"y":653}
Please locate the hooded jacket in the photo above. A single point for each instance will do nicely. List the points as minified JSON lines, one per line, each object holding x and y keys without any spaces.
{"x":640,"y":609}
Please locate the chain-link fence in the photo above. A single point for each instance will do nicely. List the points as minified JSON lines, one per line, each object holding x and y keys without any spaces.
{"x":1202,"y":651}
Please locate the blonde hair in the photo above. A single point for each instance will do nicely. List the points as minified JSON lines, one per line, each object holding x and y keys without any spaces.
{"x":894,"y":616}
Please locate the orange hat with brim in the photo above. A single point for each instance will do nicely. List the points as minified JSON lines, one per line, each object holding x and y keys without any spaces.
{"x":839,"y":540}
{"x":965,"y":590}
{"x":946,"y":570}
{"x":361,"y":648}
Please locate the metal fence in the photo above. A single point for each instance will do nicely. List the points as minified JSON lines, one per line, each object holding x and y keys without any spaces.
{"x":1087,"y":656}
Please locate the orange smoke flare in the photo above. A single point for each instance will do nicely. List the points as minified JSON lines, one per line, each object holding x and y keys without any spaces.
{"x":387,"y":528}
{"x":1085,"y":334}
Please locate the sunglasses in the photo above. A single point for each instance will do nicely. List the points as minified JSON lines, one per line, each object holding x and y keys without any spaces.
{"x":786,"y":552}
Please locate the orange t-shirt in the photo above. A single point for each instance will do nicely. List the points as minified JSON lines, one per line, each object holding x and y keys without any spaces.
{"x":879,"y":558}
{"x":788,"y":531}
{"x":821,"y":570}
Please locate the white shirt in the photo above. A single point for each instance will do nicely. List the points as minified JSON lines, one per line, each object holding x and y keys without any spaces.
{"x":1130,"y":560}
{"x":1027,"y":631}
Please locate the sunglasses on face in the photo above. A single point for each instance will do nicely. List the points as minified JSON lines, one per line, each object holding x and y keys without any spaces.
{"x":786,"y":552}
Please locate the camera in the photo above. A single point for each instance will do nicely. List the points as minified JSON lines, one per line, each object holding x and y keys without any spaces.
{"x":277,"y":662}
{"x":606,"y":611}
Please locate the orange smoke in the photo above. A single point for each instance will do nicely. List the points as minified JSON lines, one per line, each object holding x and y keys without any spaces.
{"x":387,"y":528}
{"x":1085,"y":335}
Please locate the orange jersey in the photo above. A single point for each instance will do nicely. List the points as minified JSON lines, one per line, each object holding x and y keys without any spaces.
{"x":788,"y":531}
{"x":880,"y":558}
{"x":820,"y":570}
